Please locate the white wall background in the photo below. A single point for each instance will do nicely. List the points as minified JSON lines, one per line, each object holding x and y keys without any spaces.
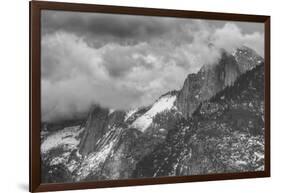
{"x":14,"y":95}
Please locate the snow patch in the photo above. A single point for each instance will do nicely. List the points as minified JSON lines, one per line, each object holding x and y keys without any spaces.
{"x":261,"y":168}
{"x":259,"y":156}
{"x":162,"y":130}
{"x":93,"y":162}
{"x":72,"y":165}
{"x":57,"y":160}
{"x":240,"y":162}
{"x":144,"y":121}
{"x":130,"y":113}
{"x":111,"y":111}
{"x":66,"y":137}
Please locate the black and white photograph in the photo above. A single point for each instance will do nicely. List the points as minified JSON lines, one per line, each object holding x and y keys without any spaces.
{"x":132,"y":96}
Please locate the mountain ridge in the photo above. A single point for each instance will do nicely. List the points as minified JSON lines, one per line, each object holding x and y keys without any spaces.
{"x":231,"y":120}
{"x":211,"y":79}
{"x":120,"y":145}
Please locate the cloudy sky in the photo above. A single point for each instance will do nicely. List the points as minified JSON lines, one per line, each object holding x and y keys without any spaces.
{"x":122,"y":61}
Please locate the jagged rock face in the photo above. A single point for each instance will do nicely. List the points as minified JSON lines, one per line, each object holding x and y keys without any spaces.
{"x":98,"y":123}
{"x":121,"y":163}
{"x":208,"y":81}
{"x":213,"y":78}
{"x":121,"y":148}
{"x":247,"y":58}
{"x":225,"y":134}
{"x":228,"y":70}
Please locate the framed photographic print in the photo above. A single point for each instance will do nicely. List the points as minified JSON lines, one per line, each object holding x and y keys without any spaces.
{"x":123,"y":96}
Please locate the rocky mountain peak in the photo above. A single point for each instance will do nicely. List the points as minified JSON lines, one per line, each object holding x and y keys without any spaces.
{"x":247,"y":58}
{"x":213,"y":78}
{"x":99,"y":121}
{"x":224,"y":135}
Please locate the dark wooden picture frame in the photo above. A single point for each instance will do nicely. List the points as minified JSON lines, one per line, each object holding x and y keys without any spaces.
{"x":35,"y":184}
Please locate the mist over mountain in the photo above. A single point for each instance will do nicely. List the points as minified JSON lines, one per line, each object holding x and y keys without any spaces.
{"x":124,"y":62}
{"x":211,"y":79}
{"x":213,"y":124}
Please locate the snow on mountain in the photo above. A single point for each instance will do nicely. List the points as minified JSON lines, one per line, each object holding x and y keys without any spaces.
{"x":64,"y":159}
{"x":68,"y":138}
{"x":92,"y":163}
{"x":130,"y":113}
{"x":111,"y":111}
{"x":164,"y":103}
{"x":94,"y":160}
{"x":225,"y":133}
{"x":247,"y":58}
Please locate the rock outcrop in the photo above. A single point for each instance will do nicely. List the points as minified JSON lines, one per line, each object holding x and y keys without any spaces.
{"x":213,"y":78}
{"x":225,"y":135}
{"x":98,"y":122}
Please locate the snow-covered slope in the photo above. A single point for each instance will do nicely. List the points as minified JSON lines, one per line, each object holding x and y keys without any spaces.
{"x":130,"y":113}
{"x":66,"y":138}
{"x":164,"y":103}
{"x":93,"y":163}
{"x":60,"y":149}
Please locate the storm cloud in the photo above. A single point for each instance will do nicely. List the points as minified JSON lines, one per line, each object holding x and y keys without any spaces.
{"x":123,"y":62}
